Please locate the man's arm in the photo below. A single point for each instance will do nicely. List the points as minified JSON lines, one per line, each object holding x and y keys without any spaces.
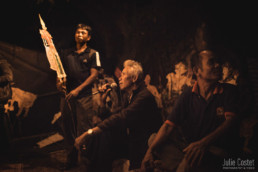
{"x":85,"y":136}
{"x":93,"y":76}
{"x":195,"y":151}
{"x":134,"y":114}
{"x":161,"y":136}
{"x":96,"y":130}
{"x":221,"y":130}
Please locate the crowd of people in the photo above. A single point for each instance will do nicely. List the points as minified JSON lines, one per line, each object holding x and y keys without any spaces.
{"x":196,"y":135}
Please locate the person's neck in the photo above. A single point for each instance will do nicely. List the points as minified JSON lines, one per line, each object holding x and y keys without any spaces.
{"x":131,"y":89}
{"x":81,"y":47}
{"x":206,"y":88}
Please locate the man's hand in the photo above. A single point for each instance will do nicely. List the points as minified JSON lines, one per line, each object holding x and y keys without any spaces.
{"x":104,"y":90}
{"x":74,"y":93}
{"x":194,"y":153}
{"x":147,"y":162}
{"x":80,"y":140}
{"x":61,"y":84}
{"x":85,"y":136}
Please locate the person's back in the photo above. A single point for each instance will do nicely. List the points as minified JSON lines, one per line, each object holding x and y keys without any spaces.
{"x":148,"y":121}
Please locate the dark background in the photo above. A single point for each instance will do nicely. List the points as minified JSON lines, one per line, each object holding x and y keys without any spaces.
{"x":158,"y":33}
{"x":148,"y":30}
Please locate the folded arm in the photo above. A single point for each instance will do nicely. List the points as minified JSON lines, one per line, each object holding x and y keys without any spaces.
{"x":161,"y":136}
{"x":93,"y":76}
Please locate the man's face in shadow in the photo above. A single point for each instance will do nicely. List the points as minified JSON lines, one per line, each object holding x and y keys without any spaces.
{"x":210,"y":69}
{"x":82,"y":36}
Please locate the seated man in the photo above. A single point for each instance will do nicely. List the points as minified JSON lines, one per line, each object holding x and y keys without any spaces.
{"x":203,"y":114}
{"x":139,"y":114}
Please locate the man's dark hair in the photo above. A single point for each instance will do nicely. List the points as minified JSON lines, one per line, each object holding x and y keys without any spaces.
{"x":84,"y":26}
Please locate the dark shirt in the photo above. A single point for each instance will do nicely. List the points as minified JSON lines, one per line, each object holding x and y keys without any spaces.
{"x":141,"y":117}
{"x":198,"y":117}
{"x":77,"y":67}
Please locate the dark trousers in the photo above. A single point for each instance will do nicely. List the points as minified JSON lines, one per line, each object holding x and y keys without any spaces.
{"x":76,"y":118}
{"x":98,"y":155}
{"x":103,"y":149}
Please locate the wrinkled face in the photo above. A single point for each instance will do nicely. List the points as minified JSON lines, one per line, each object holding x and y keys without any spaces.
{"x":125,"y":80}
{"x":211,"y":69}
{"x":82,"y":36}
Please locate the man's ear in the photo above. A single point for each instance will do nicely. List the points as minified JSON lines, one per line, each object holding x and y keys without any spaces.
{"x":135,"y":78}
{"x":89,"y":37}
{"x":195,"y":70}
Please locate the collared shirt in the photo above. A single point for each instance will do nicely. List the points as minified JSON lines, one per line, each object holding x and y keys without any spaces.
{"x":198,"y":117}
{"x":77,"y":67}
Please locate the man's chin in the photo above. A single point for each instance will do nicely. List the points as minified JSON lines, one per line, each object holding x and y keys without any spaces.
{"x":121,"y":87}
{"x":81,"y":41}
{"x":214,"y":79}
{"x":217,"y":76}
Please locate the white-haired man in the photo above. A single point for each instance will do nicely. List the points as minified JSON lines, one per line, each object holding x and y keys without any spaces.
{"x":139,"y":114}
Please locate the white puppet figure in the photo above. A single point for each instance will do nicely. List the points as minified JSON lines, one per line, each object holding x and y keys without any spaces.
{"x":177,"y":79}
{"x":230,"y":75}
{"x":153,"y":90}
{"x":24,"y":99}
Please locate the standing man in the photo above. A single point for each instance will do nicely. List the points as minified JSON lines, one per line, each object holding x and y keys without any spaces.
{"x":139,"y":114}
{"x":81,"y":66}
{"x":205,"y":114}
